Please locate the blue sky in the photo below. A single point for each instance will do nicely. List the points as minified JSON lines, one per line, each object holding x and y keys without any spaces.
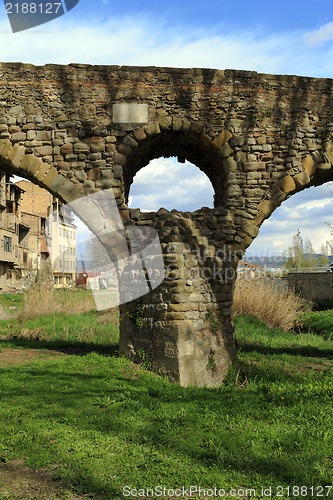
{"x":285,"y":37}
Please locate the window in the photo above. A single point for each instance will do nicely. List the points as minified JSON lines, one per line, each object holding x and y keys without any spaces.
{"x":60,"y":231}
{"x":60,"y":249}
{"x":9,"y":207}
{"x":7,"y":244}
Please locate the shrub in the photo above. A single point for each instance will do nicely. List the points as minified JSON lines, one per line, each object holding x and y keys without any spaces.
{"x":269,"y":301}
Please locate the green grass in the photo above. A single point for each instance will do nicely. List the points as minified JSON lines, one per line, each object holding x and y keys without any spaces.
{"x":98,"y":422}
{"x":54,"y":330}
{"x":11,"y":304}
{"x":320,"y":323}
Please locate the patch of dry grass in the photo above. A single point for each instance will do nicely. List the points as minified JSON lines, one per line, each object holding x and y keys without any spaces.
{"x":270,"y":302}
{"x":42,"y":299}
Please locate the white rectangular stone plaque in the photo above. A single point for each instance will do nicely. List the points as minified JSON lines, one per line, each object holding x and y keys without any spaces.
{"x":130,"y":112}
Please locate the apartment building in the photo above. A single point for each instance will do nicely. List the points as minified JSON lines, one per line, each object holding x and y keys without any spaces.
{"x":34,"y":205}
{"x":12,"y":234}
{"x":52,"y":233}
{"x":61,"y":238}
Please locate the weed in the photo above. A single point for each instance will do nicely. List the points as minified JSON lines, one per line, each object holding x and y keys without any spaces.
{"x":273,"y":304}
{"x":41,"y":300}
{"x":213,"y":321}
{"x":251,"y":117}
{"x":137,"y":316}
{"x":211,"y":363}
{"x":144,"y":361}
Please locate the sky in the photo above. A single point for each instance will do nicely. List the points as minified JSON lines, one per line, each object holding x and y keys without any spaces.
{"x":285,"y":37}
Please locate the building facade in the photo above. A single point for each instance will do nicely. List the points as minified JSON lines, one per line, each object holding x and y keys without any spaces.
{"x":52,"y":235}
{"x":13,"y":233}
{"x":36,"y":232}
{"x":61,"y":239}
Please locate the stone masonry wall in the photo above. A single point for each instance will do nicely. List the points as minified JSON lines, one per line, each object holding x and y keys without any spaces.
{"x":259,"y":138}
{"x":183,"y":328}
{"x":317,"y":287}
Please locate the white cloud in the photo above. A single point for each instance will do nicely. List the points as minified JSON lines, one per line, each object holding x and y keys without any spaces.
{"x":320,"y":35}
{"x":157,"y":185}
{"x":141,"y":41}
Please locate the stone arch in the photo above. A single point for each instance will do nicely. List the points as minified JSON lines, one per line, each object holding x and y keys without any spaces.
{"x":181,"y":138}
{"x":316,"y":169}
{"x":200,"y":264}
{"x":16,"y":160}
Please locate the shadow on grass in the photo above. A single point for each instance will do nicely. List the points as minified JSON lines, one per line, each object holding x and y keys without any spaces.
{"x":307,"y":351}
{"x":156,"y":425}
{"x":66,"y":347}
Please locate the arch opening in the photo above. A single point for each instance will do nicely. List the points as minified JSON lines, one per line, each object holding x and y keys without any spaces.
{"x":184,"y":147}
{"x":308,"y":211}
{"x":171,"y":183}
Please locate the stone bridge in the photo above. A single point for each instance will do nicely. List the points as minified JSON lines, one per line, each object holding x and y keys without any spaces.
{"x":259,"y":138}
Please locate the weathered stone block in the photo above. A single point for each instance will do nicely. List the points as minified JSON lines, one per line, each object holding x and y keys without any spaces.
{"x":165,"y":123}
{"x":44,"y":168}
{"x":31,"y":135}
{"x":152,"y":130}
{"x":140,"y":135}
{"x":44,"y":135}
{"x":230,"y":165}
{"x":35,"y":166}
{"x":250,"y":229}
{"x":16,"y":155}
{"x":226,"y":151}
{"x":302,"y":179}
{"x":254,"y":166}
{"x":18,"y":136}
{"x":309,"y":165}
{"x":266,"y":207}
{"x":96,"y":147}
{"x":176,"y":123}
{"x":81,"y":147}
{"x":43,"y":150}
{"x":119,"y":158}
{"x":94,"y":174}
{"x":287,"y":184}
{"x":57,"y":182}
{"x":222,"y":139}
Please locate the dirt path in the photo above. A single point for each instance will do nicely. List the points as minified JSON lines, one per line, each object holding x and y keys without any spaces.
{"x":18,"y":482}
{"x":19,"y":356}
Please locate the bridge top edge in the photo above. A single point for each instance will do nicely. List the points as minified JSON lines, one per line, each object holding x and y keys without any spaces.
{"x":228,"y":72}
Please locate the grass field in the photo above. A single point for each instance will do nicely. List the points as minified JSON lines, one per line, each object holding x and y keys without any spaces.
{"x":78,"y":421}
